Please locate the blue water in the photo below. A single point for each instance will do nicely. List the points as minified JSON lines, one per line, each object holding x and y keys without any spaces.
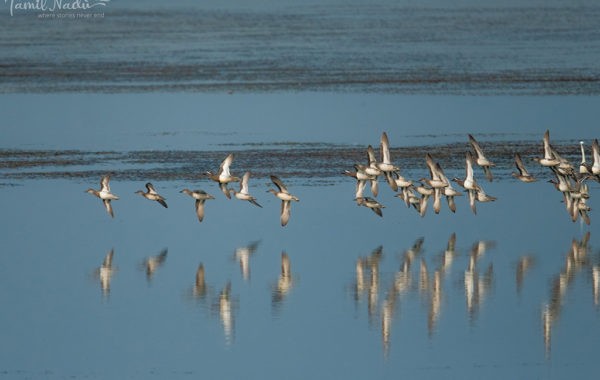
{"x":163,"y":92}
{"x":60,"y":323}
{"x":470,"y":47}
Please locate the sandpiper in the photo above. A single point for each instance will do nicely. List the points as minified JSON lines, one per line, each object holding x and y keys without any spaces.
{"x":200,"y":196}
{"x":523,"y":174}
{"x":243,"y":194}
{"x":152,"y":195}
{"x":370,"y":203}
{"x":386,"y":165}
{"x":480,"y":158}
{"x":223,"y":176}
{"x":436,"y":182}
{"x":361,"y":180}
{"x":584,"y":168}
{"x":105,"y":194}
{"x":449,"y":191}
{"x":286,"y":199}
{"x":548,"y":160}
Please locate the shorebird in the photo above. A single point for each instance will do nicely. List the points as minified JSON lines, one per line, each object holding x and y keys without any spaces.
{"x":386,"y":165}
{"x":595,"y":169}
{"x":372,"y":167}
{"x":483,"y":197}
{"x":469,"y":183}
{"x":286,"y":199}
{"x":583,"y":166}
{"x":361,"y":180}
{"x":105,"y":194}
{"x":410,"y":198}
{"x":404,"y":185}
{"x":436,"y":182}
{"x":243,"y":194}
{"x":223,"y":176}
{"x":370,"y":203}
{"x":426,"y":193}
{"x":582,"y":209}
{"x":367,"y":172}
{"x":480,"y":158}
{"x":200,"y":196}
{"x":523,"y":174}
{"x":564,"y":166}
{"x":449,"y":191}
{"x":152,"y":195}
{"x":562,"y":182}
{"x":548,"y":160}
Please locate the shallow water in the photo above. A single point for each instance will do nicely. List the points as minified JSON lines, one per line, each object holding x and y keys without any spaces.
{"x":163,"y":92}
{"x":512,"y":298}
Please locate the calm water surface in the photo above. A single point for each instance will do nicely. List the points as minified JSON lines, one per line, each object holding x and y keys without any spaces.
{"x":163,"y":92}
{"x":363,"y":296}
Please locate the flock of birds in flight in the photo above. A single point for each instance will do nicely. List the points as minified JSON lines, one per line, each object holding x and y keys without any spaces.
{"x":223,"y":178}
{"x":570,"y":182}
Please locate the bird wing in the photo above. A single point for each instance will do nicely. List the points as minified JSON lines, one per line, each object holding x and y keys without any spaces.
{"x":469,"y":169}
{"x":547,"y":149}
{"x":108,"y":207}
{"x":432,"y":168}
{"x":371,"y":156}
{"x":224,"y":168}
{"x":519,"y":164}
{"x":279,"y":184}
{"x":476,"y":147}
{"x":385,"y":149}
{"x":285,"y":212}
{"x":200,"y":209}
{"x":104,"y":183}
{"x":150,"y":188}
{"x":225,"y":190}
{"x":244,"y":183}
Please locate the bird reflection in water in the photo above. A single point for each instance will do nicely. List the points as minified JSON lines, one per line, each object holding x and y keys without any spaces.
{"x":435,"y":302}
{"x":373,"y":289}
{"x":576,"y":261}
{"x":152,"y":263}
{"x":449,"y":254}
{"x":200,"y":289}
{"x":370,"y":287}
{"x":105,"y":273}
{"x":596,"y":284}
{"x":423,"y":278}
{"x":242,"y":255}
{"x":477,"y":285}
{"x":284,"y":284}
{"x":524,"y":264}
{"x":388,"y":309}
{"x":226,"y":312}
